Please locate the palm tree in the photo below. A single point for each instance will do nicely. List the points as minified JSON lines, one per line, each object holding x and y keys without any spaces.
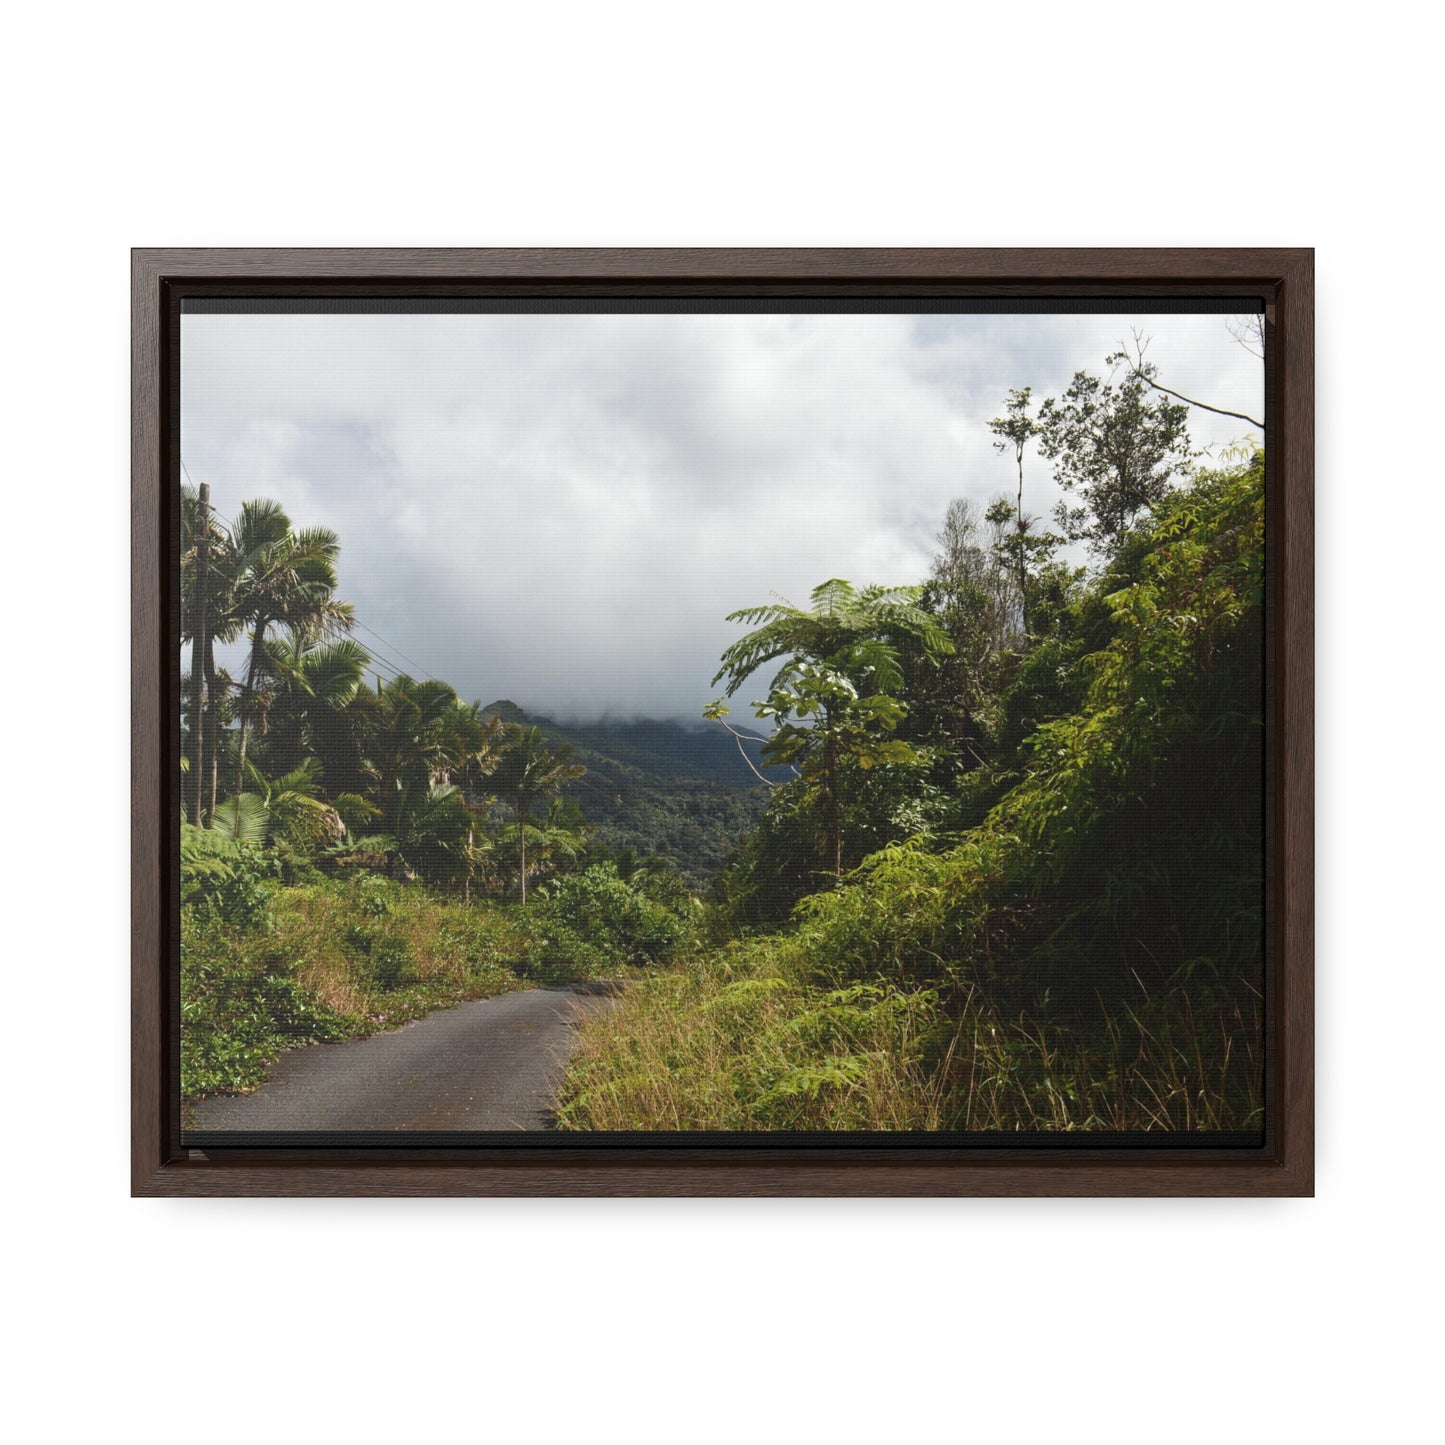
{"x":205,"y":620}
{"x":469,"y":744}
{"x":422,"y":744}
{"x":841,"y":671}
{"x":404,"y":739}
{"x":314,"y":681}
{"x":473,"y":746}
{"x":529,"y":772}
{"x":287,"y":807}
{"x":282,"y":578}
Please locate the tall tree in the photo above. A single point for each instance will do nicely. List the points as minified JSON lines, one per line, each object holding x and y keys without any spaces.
{"x":314,"y":680}
{"x":1015,"y":429}
{"x":408,"y":728}
{"x":197,"y":537}
{"x":1117,"y":449}
{"x":208,"y":567}
{"x":970,"y":574}
{"x":282,"y":578}
{"x":972,"y":593}
{"x":527,"y":775}
{"x":472,"y":747}
{"x":839,"y":681}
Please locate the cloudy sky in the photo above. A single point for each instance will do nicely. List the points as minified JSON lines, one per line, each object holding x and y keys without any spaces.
{"x":562,"y":509}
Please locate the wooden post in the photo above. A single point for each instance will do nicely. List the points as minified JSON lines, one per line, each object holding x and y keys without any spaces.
{"x":200,"y":650}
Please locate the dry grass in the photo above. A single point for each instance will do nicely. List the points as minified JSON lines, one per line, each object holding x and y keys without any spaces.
{"x":728,"y":1045}
{"x":740,"y":1042}
{"x":376,"y":966}
{"x":1168,"y":1065}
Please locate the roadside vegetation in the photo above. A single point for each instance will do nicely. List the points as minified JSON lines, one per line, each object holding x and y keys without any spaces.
{"x":267,"y":965}
{"x":1008,"y":877}
{"x":353,"y":856}
{"x":1016,"y":881}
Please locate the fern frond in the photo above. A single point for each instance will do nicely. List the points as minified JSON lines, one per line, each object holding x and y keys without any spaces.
{"x":833,"y":597}
{"x":754,"y":616}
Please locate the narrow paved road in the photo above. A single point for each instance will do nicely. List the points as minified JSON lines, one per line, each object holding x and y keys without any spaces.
{"x":493,"y":1064}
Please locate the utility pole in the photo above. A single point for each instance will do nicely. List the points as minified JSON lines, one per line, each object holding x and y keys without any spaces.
{"x":200,"y":649}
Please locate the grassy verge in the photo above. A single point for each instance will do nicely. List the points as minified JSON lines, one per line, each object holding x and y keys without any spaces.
{"x":739,"y":1041}
{"x":346,"y":958}
{"x":743,"y":1040}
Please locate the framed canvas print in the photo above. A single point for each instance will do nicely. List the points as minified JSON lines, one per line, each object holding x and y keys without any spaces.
{"x":722,"y":722}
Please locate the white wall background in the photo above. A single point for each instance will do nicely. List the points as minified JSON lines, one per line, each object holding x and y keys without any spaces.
{"x":638,"y":124}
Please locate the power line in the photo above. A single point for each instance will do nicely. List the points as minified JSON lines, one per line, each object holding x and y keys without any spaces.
{"x":386,"y":662}
{"x":382,"y":667}
{"x":398,"y":652}
{"x":390,"y":661}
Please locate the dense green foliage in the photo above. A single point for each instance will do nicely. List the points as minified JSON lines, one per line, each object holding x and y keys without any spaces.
{"x":362,"y":868}
{"x":660,"y":788}
{"x":617,"y":916}
{"x":1057,"y":922}
{"x":267,"y":966}
{"x":996,"y":865}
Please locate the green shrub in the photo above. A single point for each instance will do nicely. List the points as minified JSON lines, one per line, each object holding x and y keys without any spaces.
{"x":556,"y":953}
{"x":241,"y":1005}
{"x":391,"y":963}
{"x":223,"y":878}
{"x":614,"y":917}
{"x":373,"y":896}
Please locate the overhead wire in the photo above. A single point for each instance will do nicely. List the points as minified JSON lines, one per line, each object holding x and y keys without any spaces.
{"x":378,"y":666}
{"x":388,"y":658}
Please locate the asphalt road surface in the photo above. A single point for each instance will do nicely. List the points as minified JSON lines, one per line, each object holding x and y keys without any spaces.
{"x":493,"y":1064}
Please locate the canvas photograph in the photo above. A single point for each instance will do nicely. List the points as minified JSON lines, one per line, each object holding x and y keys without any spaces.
{"x":605,"y":721}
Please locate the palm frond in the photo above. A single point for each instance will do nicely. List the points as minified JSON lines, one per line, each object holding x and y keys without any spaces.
{"x":243,"y":818}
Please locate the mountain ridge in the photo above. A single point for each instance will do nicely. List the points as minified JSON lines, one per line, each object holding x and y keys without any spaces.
{"x":658,"y":786}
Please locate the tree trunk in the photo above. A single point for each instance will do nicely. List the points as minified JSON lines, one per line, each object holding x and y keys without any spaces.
{"x":835,"y":819}
{"x":1023,"y":567}
{"x":522,"y":840}
{"x":200,"y":648}
{"x":196,"y":780}
{"x":262,"y":623}
{"x":213,"y":718}
{"x":241,"y":757}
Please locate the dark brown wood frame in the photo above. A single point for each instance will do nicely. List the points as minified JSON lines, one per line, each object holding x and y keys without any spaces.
{"x":1283,"y":278}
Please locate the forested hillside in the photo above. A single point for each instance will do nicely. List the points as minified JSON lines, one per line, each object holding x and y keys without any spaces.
{"x":660,"y":788}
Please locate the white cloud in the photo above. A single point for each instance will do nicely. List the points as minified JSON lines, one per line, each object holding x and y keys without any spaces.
{"x":562,"y":509}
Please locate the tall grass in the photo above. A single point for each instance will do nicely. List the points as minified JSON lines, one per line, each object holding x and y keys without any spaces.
{"x":731,"y":1044}
{"x":1169,"y":1064}
{"x":742,"y":1041}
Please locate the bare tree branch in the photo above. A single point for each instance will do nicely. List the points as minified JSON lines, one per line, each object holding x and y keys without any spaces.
{"x":1250,"y":335}
{"x":739,"y":737}
{"x":1218,"y":410}
{"x":1136,"y":368}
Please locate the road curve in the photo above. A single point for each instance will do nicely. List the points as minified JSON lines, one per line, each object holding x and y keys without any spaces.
{"x":493,"y":1064}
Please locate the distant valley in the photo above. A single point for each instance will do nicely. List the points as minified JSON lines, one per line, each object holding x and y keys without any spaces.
{"x":660,"y":787}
